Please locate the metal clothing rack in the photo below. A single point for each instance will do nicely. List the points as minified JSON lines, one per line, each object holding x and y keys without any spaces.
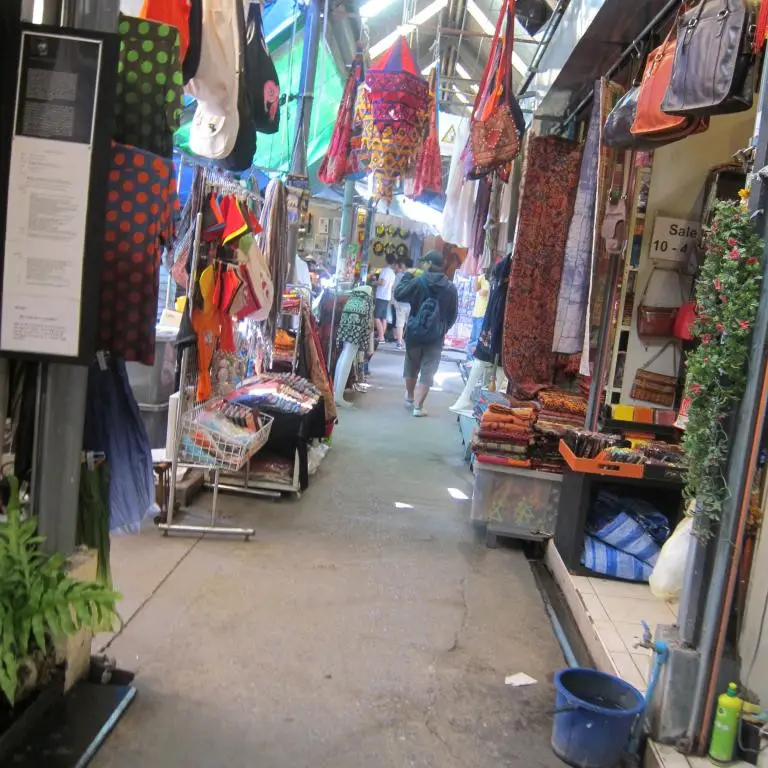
{"x":186,"y":402}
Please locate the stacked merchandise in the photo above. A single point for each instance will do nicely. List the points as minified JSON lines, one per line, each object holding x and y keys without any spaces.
{"x":505,"y":435}
{"x":284,"y":347}
{"x":559,"y":413}
{"x":283,"y":392}
{"x":623,"y":537}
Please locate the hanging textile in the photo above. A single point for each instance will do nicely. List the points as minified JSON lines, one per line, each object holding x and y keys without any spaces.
{"x":489,"y":345}
{"x":392,"y":111}
{"x":426,"y":182}
{"x":574,"y":287}
{"x":610,"y":93}
{"x":273,"y":244}
{"x":339,"y":160}
{"x":141,"y":196}
{"x":317,"y":372}
{"x":471,"y":265}
{"x":549,"y":191}
{"x":460,"y":195}
{"x":148,"y":102}
{"x":113,"y":426}
{"x":172,"y":13}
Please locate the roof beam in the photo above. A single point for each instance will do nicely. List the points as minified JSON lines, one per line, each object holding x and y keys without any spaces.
{"x":415,"y":21}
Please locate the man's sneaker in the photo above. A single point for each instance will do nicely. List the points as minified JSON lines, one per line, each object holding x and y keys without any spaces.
{"x":418,"y":412}
{"x":409,"y":404}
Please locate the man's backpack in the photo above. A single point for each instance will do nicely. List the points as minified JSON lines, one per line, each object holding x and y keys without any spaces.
{"x":426,"y":326}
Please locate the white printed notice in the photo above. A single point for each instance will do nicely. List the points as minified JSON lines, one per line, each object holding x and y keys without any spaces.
{"x":48,"y":190}
{"x":44,"y":246}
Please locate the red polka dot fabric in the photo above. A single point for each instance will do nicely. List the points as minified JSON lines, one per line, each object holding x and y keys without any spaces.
{"x":141,"y":198}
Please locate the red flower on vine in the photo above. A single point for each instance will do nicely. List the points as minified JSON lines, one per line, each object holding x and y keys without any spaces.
{"x":718,"y":284}
{"x":735,"y":255}
{"x":743,"y":324}
{"x":695,"y":389}
{"x":723,"y":298}
{"x":732,"y":242}
{"x":752,"y":260}
{"x":706,"y":338}
{"x":720,"y":327}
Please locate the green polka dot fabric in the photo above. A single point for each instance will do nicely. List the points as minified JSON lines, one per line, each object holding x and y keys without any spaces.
{"x":149,"y":86}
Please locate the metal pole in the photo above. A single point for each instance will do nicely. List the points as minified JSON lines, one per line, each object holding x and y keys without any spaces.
{"x":741,"y":466}
{"x":370,"y":215}
{"x":306,"y":99}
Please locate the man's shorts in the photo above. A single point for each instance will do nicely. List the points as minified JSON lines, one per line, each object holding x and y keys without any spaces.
{"x":402,"y":310}
{"x":381,"y":310}
{"x":422,"y":362}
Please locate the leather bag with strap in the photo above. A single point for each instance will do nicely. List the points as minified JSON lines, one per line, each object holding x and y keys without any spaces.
{"x":713,"y":70}
{"x":497,"y":121}
{"x":656,"y":388}
{"x":655,"y":322}
{"x":650,"y":119}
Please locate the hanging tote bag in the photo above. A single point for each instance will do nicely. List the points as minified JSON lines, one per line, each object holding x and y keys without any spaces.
{"x":263,"y":84}
{"x":654,"y":322}
{"x":656,"y":388}
{"x":712,"y":71}
{"x":216,"y":86}
{"x":494,"y":134}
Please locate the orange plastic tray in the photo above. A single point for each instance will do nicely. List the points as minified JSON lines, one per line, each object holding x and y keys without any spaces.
{"x":600,"y":465}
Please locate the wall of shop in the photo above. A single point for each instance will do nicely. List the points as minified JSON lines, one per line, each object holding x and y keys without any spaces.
{"x":677,"y":186}
{"x":322,"y":240}
{"x":753,"y":642}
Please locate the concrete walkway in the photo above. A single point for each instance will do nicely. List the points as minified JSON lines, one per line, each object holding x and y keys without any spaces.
{"x":364,"y":627}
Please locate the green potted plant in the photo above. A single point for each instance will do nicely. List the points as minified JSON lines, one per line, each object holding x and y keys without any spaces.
{"x":40,"y":604}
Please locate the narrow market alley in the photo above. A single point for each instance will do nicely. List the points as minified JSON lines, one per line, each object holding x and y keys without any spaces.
{"x":364,"y":626}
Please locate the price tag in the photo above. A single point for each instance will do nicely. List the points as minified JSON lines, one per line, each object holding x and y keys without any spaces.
{"x":673,"y":239}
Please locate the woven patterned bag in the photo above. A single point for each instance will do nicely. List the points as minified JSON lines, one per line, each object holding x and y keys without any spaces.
{"x":656,"y":388}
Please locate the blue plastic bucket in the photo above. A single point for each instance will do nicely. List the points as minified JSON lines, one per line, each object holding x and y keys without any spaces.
{"x":594,"y":715}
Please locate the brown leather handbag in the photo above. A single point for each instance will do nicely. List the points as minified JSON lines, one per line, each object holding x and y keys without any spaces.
{"x":650,"y":119}
{"x":656,"y":388}
{"x":656,"y":322}
{"x":713,"y":71}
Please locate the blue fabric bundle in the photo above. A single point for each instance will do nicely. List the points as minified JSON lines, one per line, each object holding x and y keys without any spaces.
{"x":623,"y":537}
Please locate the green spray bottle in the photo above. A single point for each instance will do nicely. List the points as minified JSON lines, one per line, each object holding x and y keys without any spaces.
{"x":725,"y":730}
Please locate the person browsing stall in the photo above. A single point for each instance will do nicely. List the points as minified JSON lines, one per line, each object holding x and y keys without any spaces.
{"x":434,"y":306}
{"x":384,"y":290}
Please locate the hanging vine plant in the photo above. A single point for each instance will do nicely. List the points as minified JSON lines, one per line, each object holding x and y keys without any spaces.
{"x":727,"y":296}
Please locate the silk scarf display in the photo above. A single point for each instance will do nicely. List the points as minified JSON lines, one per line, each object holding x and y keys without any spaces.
{"x":574,"y":286}
{"x":610,"y":93}
{"x":549,"y":192}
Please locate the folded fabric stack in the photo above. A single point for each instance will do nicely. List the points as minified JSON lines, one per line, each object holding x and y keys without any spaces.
{"x":484,"y":398}
{"x":283,"y":392}
{"x":559,"y":413}
{"x":284,"y":345}
{"x":505,"y":435}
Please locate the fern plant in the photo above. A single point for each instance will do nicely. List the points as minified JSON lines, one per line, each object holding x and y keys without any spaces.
{"x":39,"y":602}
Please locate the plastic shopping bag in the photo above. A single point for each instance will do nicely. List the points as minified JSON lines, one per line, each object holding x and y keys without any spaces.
{"x":666,"y":580}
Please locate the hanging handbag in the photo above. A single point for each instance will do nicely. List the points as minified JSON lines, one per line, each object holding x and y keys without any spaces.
{"x":712,"y":70}
{"x":262,"y":76}
{"x":656,"y":388}
{"x":684,"y":320}
{"x":655,"y":322}
{"x":650,"y":119}
{"x":497,"y":122}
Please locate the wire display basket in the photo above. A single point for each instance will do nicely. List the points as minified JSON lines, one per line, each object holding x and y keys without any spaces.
{"x":210,"y":439}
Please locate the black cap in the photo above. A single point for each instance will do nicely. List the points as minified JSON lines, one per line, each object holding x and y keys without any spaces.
{"x":435,"y":258}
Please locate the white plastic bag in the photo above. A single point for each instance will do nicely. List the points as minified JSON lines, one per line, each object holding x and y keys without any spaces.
{"x":666,"y":580}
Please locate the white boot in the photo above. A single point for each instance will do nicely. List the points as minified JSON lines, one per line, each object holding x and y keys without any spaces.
{"x":476,"y":374}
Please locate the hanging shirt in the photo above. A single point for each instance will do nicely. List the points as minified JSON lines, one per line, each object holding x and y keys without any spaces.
{"x":387,"y":277}
{"x":481,"y":301}
{"x":149,"y":86}
{"x":174,"y":13}
{"x":141,"y":195}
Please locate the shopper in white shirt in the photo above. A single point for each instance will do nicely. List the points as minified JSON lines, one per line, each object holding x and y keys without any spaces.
{"x":384,"y":290}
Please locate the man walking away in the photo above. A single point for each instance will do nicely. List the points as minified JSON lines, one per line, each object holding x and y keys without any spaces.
{"x":384,"y":290}
{"x":434,"y":308}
